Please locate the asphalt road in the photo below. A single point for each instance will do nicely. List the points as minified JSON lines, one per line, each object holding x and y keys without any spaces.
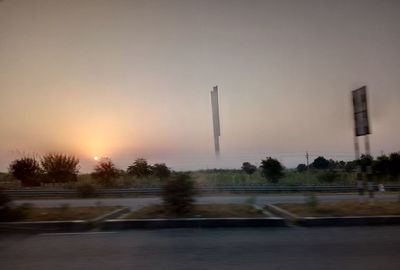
{"x":262,"y":248}
{"x":260,"y":200}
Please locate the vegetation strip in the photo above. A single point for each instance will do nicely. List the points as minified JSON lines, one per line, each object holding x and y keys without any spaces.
{"x":339,"y":209}
{"x":63,"y":225}
{"x":199,"y":211}
{"x":300,"y":217}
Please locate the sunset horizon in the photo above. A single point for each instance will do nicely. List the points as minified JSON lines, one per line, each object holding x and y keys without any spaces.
{"x":131,"y":79}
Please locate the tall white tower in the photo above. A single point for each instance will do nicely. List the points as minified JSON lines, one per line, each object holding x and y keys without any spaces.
{"x":215,"y":116}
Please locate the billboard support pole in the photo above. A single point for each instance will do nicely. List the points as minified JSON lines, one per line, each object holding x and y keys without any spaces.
{"x":361,"y":126}
{"x":215,"y":117}
{"x":367,"y":148}
{"x":370,"y":185}
{"x":356,"y":148}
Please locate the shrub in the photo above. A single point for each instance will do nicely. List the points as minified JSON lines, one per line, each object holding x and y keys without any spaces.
{"x":10,"y":213}
{"x":140,"y":168}
{"x":86,"y":190}
{"x":328,"y":177}
{"x":27,"y":170}
{"x":60,"y":168}
{"x":301,"y":168}
{"x":105,"y":172}
{"x":161,"y":170}
{"x":249,"y":168}
{"x":320,"y":163}
{"x":311,"y":200}
{"x":272,"y":169}
{"x":394,"y":165}
{"x":178,"y":194}
{"x":4,"y":199}
{"x":22,"y":211}
{"x":350,"y":166}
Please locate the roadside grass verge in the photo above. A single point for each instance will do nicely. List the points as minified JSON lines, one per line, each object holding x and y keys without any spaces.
{"x":341,"y":209}
{"x":199,"y":211}
{"x":64,"y":213}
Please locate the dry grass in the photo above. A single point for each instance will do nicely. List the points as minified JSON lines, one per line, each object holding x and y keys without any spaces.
{"x":340,"y":209}
{"x":67,"y":213}
{"x":200,"y":210}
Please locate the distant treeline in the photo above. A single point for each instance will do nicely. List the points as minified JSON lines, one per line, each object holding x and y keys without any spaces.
{"x":56,"y":168}
{"x":381,"y":166}
{"x":62,"y":168}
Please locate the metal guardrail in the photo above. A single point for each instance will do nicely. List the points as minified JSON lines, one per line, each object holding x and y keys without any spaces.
{"x":157,"y":190}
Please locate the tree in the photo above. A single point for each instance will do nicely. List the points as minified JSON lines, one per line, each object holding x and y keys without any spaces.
{"x":105,"y":172}
{"x":249,"y":168}
{"x":272,"y":169}
{"x":178,"y":194}
{"x":161,"y":170}
{"x":381,"y":165}
{"x":387,"y":165}
{"x":320,"y":163}
{"x":60,"y":168}
{"x":301,"y":168}
{"x":394,"y":164}
{"x":333,"y":164}
{"x":27,"y":170}
{"x":140,"y":168}
{"x":350,"y":166}
{"x":364,"y":162}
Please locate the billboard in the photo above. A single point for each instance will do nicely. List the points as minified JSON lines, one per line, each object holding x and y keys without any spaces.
{"x":360,"y":108}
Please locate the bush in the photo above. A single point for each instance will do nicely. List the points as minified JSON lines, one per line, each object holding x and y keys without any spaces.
{"x":328,"y":177}
{"x":178,"y":194}
{"x":272,"y":169}
{"x":320,"y":163}
{"x":249,"y":168}
{"x":140,"y":168}
{"x":8,"y":212}
{"x":4,"y":199}
{"x":86,"y":190}
{"x":106,"y":172}
{"x":60,"y":168}
{"x":311,"y":200}
{"x":387,"y":166}
{"x":161,"y":170}
{"x":301,"y":168}
{"x":27,"y":170}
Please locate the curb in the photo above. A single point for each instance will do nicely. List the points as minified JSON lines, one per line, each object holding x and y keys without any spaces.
{"x":114,"y":214}
{"x":45,"y":226}
{"x":334,"y":221}
{"x":348,"y":221}
{"x":281,"y":212}
{"x":118,"y":224}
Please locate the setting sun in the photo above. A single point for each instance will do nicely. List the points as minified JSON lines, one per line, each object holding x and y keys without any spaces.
{"x":96,"y":158}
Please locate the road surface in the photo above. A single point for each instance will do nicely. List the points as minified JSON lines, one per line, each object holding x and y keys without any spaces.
{"x":296,"y":248}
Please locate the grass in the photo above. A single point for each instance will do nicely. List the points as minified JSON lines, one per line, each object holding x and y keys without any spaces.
{"x":199,"y":211}
{"x":290,"y":178}
{"x":212,"y":178}
{"x":340,"y":209}
{"x":66,"y":213}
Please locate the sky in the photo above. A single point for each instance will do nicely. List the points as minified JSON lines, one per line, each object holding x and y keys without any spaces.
{"x":128,"y":79}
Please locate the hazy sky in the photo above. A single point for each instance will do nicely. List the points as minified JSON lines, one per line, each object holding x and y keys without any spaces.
{"x":128,"y":79}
